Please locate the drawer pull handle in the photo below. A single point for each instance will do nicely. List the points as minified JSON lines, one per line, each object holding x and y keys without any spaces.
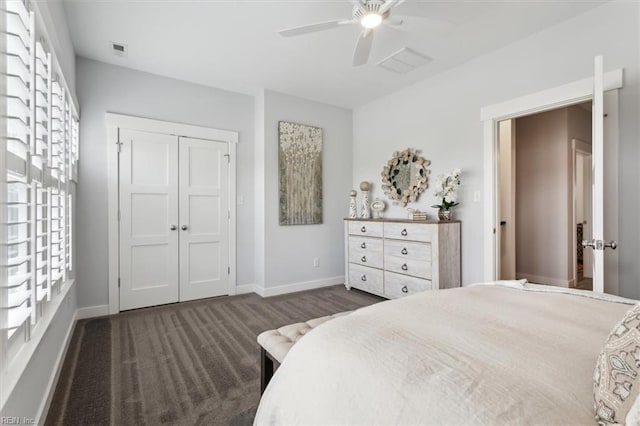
{"x":363,"y":245}
{"x":363,"y":229}
{"x":364,"y":259}
{"x":404,"y":267}
{"x":404,"y":232}
{"x":363,"y":278}
{"x":405,"y":289}
{"x":404,"y":251}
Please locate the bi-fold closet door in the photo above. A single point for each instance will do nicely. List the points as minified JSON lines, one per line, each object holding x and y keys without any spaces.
{"x":174,"y":219}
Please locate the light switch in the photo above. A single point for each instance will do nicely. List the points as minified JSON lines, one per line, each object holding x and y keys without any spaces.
{"x":476,"y":196}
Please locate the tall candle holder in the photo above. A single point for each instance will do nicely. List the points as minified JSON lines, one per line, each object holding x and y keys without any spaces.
{"x":366,"y":208}
{"x":353,"y":209}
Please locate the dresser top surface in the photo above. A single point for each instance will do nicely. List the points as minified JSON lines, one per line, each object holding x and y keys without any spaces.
{"x":397,"y":220}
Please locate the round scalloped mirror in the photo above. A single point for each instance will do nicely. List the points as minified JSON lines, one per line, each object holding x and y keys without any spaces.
{"x":404,"y":177}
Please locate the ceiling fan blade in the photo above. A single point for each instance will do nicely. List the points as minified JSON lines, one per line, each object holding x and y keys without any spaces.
{"x":388,"y":4}
{"x":363,"y":48}
{"x":321,"y":26}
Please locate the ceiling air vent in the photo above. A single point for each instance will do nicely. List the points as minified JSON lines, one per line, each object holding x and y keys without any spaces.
{"x":119,"y":49}
{"x":404,"y":60}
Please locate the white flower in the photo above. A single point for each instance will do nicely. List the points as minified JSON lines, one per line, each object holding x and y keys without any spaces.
{"x":451,"y":197}
{"x":445,"y":187}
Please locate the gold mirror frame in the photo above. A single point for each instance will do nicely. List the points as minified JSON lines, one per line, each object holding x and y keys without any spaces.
{"x":405,"y":176}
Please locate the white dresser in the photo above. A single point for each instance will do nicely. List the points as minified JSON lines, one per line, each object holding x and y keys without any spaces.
{"x":394,"y":258}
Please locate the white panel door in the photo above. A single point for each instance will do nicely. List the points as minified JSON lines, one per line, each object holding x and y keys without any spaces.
{"x":598,"y":242}
{"x":148,"y":219}
{"x":204,"y":218}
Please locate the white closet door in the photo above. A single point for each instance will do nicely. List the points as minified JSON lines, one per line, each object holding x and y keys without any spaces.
{"x":204,"y":219}
{"x":148,"y":212}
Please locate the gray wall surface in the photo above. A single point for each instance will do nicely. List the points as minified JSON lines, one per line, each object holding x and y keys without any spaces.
{"x":106,"y":88}
{"x":290,"y":249}
{"x":441,"y":116}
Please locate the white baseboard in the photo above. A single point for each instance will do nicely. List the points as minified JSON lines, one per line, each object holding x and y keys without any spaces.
{"x":301,"y":286}
{"x":92,"y":311}
{"x":537,"y":279}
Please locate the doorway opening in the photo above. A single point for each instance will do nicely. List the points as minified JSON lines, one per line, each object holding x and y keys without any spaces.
{"x":605,"y":194}
{"x":543,"y":197}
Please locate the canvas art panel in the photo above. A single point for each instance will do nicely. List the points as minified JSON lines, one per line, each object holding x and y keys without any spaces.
{"x":300,"y":174}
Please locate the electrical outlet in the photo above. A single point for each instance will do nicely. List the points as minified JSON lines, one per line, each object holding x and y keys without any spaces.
{"x":240,"y":200}
{"x":316,"y":262}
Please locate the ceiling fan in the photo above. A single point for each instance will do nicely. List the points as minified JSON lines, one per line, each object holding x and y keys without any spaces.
{"x":368,"y":13}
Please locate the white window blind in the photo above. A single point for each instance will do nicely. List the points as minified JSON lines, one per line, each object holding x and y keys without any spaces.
{"x":40,"y":135}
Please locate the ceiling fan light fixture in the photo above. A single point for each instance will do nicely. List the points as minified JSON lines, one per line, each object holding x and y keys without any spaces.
{"x":371,"y":20}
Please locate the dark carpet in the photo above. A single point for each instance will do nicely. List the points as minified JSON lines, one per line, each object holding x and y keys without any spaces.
{"x":194,"y":363}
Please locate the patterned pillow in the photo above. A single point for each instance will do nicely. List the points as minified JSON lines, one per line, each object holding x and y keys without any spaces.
{"x":616,"y":384}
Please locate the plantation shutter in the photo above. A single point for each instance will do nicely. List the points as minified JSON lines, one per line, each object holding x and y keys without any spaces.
{"x":39,"y":160}
{"x":19,"y":286}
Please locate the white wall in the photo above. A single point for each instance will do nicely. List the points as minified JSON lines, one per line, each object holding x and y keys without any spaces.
{"x":289,"y":250}
{"x":441,"y":116}
{"x":106,"y":88}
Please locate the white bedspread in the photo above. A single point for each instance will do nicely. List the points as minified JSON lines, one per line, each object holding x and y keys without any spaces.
{"x":477,"y":355}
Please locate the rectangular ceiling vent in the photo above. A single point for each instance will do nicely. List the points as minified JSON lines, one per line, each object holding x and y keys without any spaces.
{"x":119,"y":49}
{"x":404,"y":60}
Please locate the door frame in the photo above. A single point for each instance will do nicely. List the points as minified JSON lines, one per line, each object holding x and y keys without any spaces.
{"x":577,"y":146}
{"x":114,"y":122}
{"x":553,"y":98}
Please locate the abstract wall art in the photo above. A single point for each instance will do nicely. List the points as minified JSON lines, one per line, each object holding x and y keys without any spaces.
{"x":300,"y":174}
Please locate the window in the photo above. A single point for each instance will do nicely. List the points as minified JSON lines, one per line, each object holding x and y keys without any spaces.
{"x":39,"y":128}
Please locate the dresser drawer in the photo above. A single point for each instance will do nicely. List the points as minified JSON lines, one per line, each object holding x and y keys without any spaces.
{"x":409,"y":231}
{"x":366,"y":257}
{"x":396,"y":285}
{"x":366,"y":251}
{"x":367,"y":279}
{"x":416,"y":268}
{"x":367,"y":229}
{"x":408,"y":250}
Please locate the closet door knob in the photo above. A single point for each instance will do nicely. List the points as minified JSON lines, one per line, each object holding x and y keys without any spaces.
{"x":404,"y":267}
{"x":173,"y":227}
{"x":184,"y":227}
{"x":404,"y":251}
{"x":364,"y":259}
{"x":403,"y":233}
{"x":363,"y":245}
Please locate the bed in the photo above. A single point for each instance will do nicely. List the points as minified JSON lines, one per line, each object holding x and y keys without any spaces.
{"x":504,"y":353}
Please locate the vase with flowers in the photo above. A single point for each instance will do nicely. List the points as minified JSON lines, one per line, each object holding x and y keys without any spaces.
{"x":446,"y":186}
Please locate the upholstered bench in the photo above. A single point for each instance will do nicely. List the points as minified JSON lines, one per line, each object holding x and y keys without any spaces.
{"x":275,"y":344}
